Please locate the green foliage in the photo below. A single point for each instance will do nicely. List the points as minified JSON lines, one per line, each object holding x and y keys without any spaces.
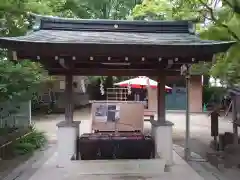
{"x":218,"y":22}
{"x":107,"y":9}
{"x":202,"y":68}
{"x":19,"y":80}
{"x":227,"y":65}
{"x":162,"y":10}
{"x":23,"y":148}
{"x":213,"y":95}
{"x":14,"y":15}
{"x":153,"y":9}
{"x":30,"y":142}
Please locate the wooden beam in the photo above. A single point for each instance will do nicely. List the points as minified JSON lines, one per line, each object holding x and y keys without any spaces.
{"x":113,"y":72}
{"x":123,"y":50}
{"x":92,"y":59}
{"x":141,"y":66}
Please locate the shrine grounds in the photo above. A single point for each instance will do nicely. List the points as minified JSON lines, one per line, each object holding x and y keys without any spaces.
{"x":200,"y":139}
{"x":200,"y":127}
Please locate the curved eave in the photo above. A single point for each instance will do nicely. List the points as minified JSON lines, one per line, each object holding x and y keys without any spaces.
{"x":159,"y":50}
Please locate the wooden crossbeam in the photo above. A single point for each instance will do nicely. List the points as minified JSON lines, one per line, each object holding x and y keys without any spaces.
{"x":113,"y":72}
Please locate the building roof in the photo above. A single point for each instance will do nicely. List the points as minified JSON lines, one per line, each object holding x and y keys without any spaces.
{"x":97,"y":37}
{"x":139,"y":41}
{"x":69,"y":31}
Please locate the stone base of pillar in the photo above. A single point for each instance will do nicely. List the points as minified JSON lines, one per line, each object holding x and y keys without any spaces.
{"x":162,"y":134}
{"x":67,"y":135}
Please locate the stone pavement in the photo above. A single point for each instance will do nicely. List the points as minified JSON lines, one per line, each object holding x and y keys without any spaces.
{"x":26,"y":170}
{"x":43,"y":166}
{"x":206,"y":170}
{"x":96,"y":170}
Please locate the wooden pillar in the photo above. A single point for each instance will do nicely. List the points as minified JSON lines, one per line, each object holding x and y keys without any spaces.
{"x":69,"y":98}
{"x":161,"y":98}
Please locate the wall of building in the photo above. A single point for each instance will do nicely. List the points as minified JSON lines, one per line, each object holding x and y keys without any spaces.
{"x":22,"y":117}
{"x":195,"y":94}
{"x":178,"y":94}
{"x":59,"y":84}
{"x":81,"y":98}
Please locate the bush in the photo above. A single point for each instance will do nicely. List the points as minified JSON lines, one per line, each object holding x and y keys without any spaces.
{"x":23,"y":148}
{"x":30,"y":142}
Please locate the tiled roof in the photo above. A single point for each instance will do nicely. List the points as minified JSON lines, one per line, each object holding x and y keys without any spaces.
{"x":49,"y":23}
{"x":57,"y":30}
{"x":96,"y":37}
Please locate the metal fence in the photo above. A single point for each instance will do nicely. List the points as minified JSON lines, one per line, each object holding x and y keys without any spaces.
{"x":7,"y":147}
{"x":15,"y":118}
{"x":14,"y":114}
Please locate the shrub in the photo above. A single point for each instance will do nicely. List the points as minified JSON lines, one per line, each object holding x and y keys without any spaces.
{"x":23,"y":148}
{"x":30,"y":142}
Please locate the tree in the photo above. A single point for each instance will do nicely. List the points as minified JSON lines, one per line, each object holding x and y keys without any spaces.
{"x":107,"y":9}
{"x":18,"y":80}
{"x":162,"y":10}
{"x":222,"y":22}
{"x":170,"y":10}
{"x":218,"y":20}
{"x":15,"y":15}
{"x":18,"y":83}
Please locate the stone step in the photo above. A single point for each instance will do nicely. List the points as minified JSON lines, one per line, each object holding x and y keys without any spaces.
{"x":104,"y":167}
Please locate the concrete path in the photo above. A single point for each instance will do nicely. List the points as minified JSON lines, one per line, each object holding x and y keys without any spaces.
{"x":48,"y":123}
{"x":206,"y":170}
{"x":99,"y":170}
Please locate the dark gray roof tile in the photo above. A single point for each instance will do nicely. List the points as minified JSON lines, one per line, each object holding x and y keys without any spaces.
{"x":50,"y":23}
{"x":70,"y":31}
{"x":81,"y":37}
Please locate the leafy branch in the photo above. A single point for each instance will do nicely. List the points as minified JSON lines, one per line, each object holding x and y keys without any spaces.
{"x":217,"y":22}
{"x":235,"y":6}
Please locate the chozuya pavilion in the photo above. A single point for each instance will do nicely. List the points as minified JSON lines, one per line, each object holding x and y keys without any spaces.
{"x":113,"y":48}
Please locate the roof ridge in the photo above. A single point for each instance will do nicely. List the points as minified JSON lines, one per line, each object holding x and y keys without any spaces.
{"x":71,"y":24}
{"x":57,"y":18}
